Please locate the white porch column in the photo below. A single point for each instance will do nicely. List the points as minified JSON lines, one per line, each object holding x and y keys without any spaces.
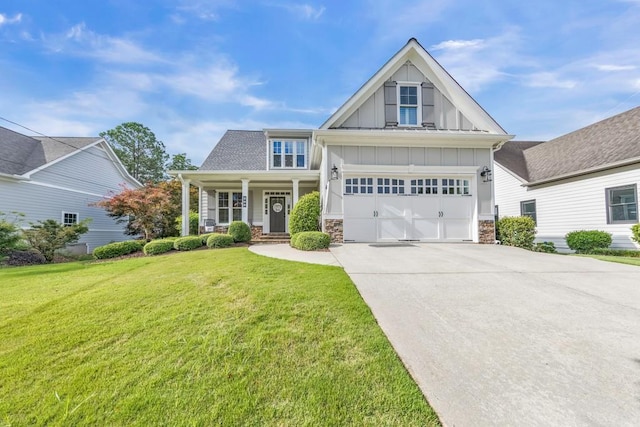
{"x":295,"y":190}
{"x":245,"y":201}
{"x":185,"y":205}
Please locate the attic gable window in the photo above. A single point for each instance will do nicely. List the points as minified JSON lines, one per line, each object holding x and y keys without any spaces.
{"x":288,"y":154}
{"x":409,"y":104}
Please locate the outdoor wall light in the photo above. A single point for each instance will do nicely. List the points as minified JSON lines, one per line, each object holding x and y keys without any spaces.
{"x":485,"y":173}
{"x":334,"y":172}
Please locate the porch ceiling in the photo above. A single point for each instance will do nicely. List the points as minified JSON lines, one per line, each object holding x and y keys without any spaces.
{"x":285,"y":176}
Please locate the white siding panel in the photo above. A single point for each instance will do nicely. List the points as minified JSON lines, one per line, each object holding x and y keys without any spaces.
{"x":418,"y":156}
{"x":367,"y":155}
{"x":401,"y":156}
{"x":449,"y":157}
{"x":384,"y":156}
{"x":466,"y":157}
{"x":509,"y":192}
{"x":434,"y":156}
{"x":350,"y":154}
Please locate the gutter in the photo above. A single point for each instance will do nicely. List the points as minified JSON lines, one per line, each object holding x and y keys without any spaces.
{"x":588,"y":171}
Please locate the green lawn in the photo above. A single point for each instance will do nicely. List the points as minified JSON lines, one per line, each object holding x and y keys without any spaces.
{"x":620,"y":259}
{"x":211,"y":337}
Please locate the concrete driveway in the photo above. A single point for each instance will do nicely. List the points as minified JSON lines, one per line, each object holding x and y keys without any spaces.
{"x":499,"y":336}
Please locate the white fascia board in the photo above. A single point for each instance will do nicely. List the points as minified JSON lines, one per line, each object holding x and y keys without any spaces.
{"x":202,"y":177}
{"x":508,"y":171}
{"x":288,"y":133}
{"x":8,"y":177}
{"x":407,"y":137}
{"x":582,"y":172}
{"x":408,"y":169}
{"x":116,"y":160}
{"x":60,"y":159}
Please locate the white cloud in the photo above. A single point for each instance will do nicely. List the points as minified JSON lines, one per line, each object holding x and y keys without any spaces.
{"x":548,"y":79}
{"x":204,"y":10}
{"x":458,"y":44}
{"x":80,"y":41}
{"x":612,"y":67}
{"x":303,"y":11}
{"x":5,"y":20}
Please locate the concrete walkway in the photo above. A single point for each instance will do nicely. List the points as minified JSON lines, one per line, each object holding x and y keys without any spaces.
{"x":499,"y":336}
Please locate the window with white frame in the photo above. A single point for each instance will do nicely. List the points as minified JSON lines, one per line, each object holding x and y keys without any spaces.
{"x":453,"y":186}
{"x":408,"y":104}
{"x":358,"y":186}
{"x":528,"y":208}
{"x":229,"y":207}
{"x":622,"y":205}
{"x":287,"y":153}
{"x":390,"y":186}
{"x":424,"y":186}
{"x":69,"y":219}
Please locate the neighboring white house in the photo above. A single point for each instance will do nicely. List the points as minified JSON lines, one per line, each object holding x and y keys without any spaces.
{"x":585,"y":180}
{"x":57,"y":178}
{"x":402,"y":159}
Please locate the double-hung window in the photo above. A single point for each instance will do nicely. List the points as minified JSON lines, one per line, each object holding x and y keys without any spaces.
{"x":288,"y":154}
{"x":229,"y":206}
{"x":408,"y":104}
{"x":528,"y":208}
{"x":622,"y":205}
{"x":69,"y":219}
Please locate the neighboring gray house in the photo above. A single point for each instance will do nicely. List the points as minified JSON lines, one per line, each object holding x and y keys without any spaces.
{"x":407,"y":157}
{"x":585,"y":180}
{"x":57,"y":178}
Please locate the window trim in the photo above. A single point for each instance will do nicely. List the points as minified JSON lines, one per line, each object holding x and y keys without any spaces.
{"x":607,"y":192}
{"x":62,"y":221}
{"x":294,"y":153}
{"x":418,"y":86}
{"x":535,"y":209}
{"x":230,"y":209}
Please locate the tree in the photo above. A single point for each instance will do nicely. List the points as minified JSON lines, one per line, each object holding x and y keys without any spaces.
{"x":150,"y":210}
{"x":180,"y":162}
{"x":139,"y":150}
{"x":49,"y":235}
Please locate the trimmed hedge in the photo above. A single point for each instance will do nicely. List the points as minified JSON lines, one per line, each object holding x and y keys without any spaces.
{"x":305,"y":214}
{"x":518,"y":231}
{"x":193,"y":223}
{"x":616,"y":252}
{"x":157,"y":247}
{"x":240,"y":231}
{"x":311,"y":240}
{"x":116,"y":249}
{"x":293,"y":240}
{"x":217,"y":240}
{"x":187,"y":243}
{"x":635,"y":233}
{"x":204,"y":237}
{"x":585,"y":241}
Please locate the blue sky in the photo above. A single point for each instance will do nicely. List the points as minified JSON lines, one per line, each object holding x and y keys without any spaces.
{"x":190,"y":69}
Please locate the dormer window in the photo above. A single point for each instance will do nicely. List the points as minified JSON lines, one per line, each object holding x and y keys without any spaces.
{"x":288,"y":154}
{"x":408,"y":104}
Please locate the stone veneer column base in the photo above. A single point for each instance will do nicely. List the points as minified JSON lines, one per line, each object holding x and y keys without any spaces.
{"x":220,"y":229}
{"x":486,"y":232}
{"x":256,"y":232}
{"x":334,"y":228}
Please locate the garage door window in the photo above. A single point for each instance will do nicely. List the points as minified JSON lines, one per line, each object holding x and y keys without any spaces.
{"x":424,"y":186}
{"x":358,"y":186}
{"x":390,"y":186}
{"x":459,"y":187}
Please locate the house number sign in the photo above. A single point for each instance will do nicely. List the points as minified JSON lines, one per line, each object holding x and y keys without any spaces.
{"x":244,"y":201}
{"x":277,"y":207}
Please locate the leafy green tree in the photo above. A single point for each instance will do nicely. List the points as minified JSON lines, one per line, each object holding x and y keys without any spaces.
{"x":49,"y":235}
{"x":180,"y":162}
{"x":10,"y":233}
{"x":141,"y":153}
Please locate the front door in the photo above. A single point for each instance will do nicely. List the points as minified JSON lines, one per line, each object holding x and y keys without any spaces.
{"x":276,"y":215}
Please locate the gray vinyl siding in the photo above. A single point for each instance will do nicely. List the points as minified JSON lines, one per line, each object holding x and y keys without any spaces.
{"x":380,"y":109}
{"x":568,"y":205}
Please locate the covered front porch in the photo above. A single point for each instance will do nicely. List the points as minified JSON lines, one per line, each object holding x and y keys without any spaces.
{"x":261,"y":199}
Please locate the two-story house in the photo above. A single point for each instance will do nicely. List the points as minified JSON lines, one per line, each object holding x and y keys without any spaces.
{"x":408,"y":157}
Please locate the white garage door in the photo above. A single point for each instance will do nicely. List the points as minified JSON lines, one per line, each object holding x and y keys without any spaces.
{"x":407,"y":208}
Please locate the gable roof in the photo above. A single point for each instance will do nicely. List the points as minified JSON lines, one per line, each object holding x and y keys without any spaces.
{"x":418,"y":55}
{"x":238,"y":150}
{"x":20,"y":154}
{"x":607,"y":143}
{"x":511,"y":156}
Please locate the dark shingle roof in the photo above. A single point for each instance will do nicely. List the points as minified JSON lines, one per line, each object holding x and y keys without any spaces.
{"x":604,"y":143}
{"x":238,"y":150}
{"x":20,"y":154}
{"x":511,"y":157}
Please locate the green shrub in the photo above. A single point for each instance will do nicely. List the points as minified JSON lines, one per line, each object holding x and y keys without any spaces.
{"x":217,"y":240}
{"x":584,"y":241}
{"x":49,"y":235}
{"x":193,"y":223}
{"x":635,"y":233}
{"x":10,"y":234}
{"x":548,"y":247}
{"x":305,"y":214}
{"x":187,"y":243}
{"x":204,"y":237}
{"x":157,"y":247}
{"x":519,"y":231}
{"x":311,"y":240}
{"x":293,"y":240}
{"x":28,"y":257}
{"x":240,"y":231}
{"x":117,"y":249}
{"x":616,"y":252}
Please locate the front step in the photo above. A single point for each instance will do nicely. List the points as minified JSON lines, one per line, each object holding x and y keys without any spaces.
{"x":273,"y":238}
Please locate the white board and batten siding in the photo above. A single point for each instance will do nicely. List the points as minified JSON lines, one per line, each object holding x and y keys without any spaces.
{"x":69,"y":185}
{"x":572,"y":204}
